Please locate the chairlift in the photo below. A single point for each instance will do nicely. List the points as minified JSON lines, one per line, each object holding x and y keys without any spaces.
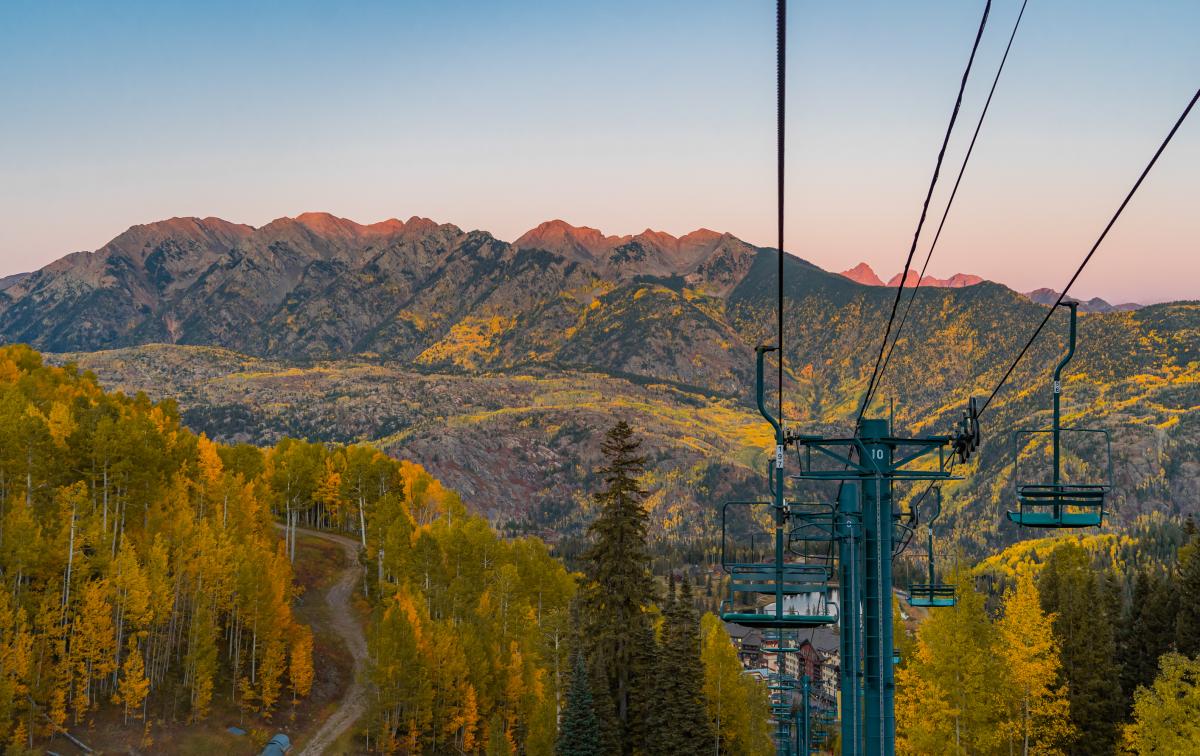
{"x":931,"y":593}
{"x":1062,"y":502}
{"x":803,"y":574}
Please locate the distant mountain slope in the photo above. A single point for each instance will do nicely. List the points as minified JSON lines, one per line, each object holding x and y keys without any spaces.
{"x":1095,"y":304}
{"x":662,"y":329}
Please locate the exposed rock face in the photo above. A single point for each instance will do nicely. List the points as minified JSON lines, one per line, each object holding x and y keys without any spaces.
{"x":863,"y":274}
{"x":956,"y":281}
{"x":317,"y":286}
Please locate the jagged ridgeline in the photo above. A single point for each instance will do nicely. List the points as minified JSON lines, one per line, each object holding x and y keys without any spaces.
{"x":144,"y":581}
{"x":496,"y":364}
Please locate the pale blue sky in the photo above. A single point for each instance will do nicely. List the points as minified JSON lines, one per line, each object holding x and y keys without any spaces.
{"x":619,"y":115}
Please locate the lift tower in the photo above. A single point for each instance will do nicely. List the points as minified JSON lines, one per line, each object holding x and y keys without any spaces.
{"x":868,"y":465}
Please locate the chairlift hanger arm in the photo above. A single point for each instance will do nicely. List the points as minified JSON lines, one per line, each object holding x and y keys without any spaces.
{"x":761,"y":352}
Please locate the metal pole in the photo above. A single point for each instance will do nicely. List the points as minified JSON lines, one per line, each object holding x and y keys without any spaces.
{"x":806,"y":732}
{"x":879,"y":675}
{"x":1074,"y":306}
{"x":849,"y":530}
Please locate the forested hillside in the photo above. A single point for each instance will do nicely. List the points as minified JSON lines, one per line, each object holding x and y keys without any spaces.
{"x":140,"y":570}
{"x":144,"y":579}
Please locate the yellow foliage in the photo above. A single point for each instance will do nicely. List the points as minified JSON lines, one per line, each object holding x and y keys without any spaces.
{"x":470,"y":342}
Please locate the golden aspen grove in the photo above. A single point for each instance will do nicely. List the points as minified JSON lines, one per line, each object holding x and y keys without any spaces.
{"x":139,"y":570}
{"x":142,"y":571}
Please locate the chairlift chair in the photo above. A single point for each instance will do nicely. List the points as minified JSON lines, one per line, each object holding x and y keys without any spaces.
{"x":805,"y":571}
{"x":931,"y":593}
{"x":1062,"y":503}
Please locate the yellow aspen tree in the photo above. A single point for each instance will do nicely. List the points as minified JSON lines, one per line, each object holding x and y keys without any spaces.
{"x":270,"y":669}
{"x":16,"y":657}
{"x":1166,"y":716}
{"x":923,"y":715}
{"x":60,"y":423}
{"x":451,"y":687}
{"x":737,"y":704}
{"x":92,"y":644}
{"x":1037,"y":711}
{"x":946,"y":698}
{"x":466,"y":724}
{"x":22,"y":546}
{"x":131,"y":597}
{"x":300,"y":669}
{"x":329,"y":492}
{"x":201,"y":659}
{"x":213,"y":497}
{"x":133,"y":687}
{"x":514,"y":693}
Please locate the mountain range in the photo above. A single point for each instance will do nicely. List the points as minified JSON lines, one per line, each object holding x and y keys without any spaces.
{"x":865,"y":275}
{"x":498,"y":365}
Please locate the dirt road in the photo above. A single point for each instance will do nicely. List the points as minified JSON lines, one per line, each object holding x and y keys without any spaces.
{"x":344,"y":623}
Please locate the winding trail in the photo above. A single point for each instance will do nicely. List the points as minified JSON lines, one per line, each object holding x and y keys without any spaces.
{"x":343,"y":622}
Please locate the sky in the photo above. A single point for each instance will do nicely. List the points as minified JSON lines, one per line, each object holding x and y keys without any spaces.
{"x":618,"y":115}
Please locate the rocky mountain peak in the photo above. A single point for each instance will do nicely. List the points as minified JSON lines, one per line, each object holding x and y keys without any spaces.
{"x":572,"y":242}
{"x":863,"y":274}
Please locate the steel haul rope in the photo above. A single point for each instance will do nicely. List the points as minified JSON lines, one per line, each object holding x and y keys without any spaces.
{"x":950,"y":202}
{"x":924,"y":212}
{"x":1087,"y":258}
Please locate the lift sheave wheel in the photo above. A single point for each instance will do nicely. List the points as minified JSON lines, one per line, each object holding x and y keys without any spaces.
{"x":1067,"y":500}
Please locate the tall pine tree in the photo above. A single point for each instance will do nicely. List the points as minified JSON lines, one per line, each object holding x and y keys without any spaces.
{"x":1148,"y":631}
{"x":1072,"y":590}
{"x":682,"y":726}
{"x":619,"y":587}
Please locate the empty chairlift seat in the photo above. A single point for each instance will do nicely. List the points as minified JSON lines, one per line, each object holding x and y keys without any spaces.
{"x":793,"y":591}
{"x":931,"y":592}
{"x":1062,"y":475}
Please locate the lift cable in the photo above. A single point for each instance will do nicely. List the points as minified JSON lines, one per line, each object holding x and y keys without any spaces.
{"x":954,"y":192}
{"x":780,"y":97}
{"x":1092,"y":251}
{"x":924,"y":212}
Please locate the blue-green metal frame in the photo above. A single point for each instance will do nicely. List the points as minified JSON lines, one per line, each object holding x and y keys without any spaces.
{"x":1057,"y":504}
{"x":931,"y":593}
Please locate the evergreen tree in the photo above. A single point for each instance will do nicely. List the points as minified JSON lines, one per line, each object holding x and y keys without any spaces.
{"x":658,"y":722}
{"x":643,"y":702}
{"x":1187,"y":623}
{"x":579,"y":731}
{"x":683,"y":726}
{"x":1071,"y":590}
{"x":1148,"y":632}
{"x":619,"y":585}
